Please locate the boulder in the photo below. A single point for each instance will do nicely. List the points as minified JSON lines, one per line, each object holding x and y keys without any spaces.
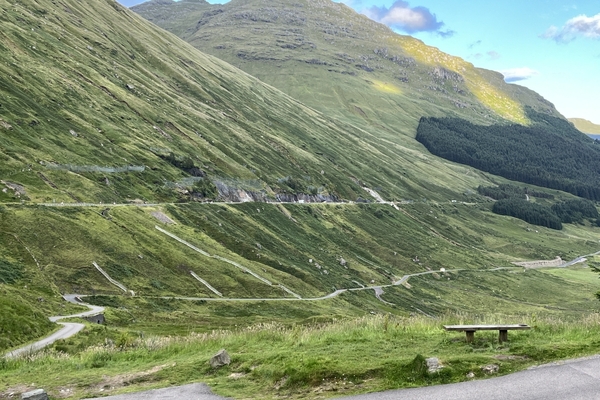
{"x":220,"y":359}
{"x":38,"y":394}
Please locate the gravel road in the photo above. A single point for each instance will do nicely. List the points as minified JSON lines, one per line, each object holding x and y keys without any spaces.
{"x":194,"y":391}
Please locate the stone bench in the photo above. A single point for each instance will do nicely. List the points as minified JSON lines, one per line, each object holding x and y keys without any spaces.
{"x":502,"y":329}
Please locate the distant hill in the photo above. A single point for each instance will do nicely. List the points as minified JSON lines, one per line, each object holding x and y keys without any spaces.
{"x":344,"y":64}
{"x":585,"y":126}
{"x":348,"y":67}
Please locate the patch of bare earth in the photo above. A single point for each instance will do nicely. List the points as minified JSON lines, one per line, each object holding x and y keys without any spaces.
{"x":162,"y":217}
{"x":14,"y":392}
{"x":108,"y":384}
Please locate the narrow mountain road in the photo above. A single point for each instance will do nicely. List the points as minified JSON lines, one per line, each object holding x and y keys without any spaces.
{"x":69,"y":328}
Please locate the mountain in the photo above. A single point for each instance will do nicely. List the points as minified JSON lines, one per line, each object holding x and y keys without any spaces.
{"x":113,"y":110}
{"x":156,"y":148}
{"x":585,"y":126}
{"x":342,"y":63}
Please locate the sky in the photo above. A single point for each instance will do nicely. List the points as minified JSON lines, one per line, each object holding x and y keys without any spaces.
{"x":550,"y":46}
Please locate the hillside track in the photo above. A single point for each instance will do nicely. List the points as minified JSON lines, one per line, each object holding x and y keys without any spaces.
{"x":69,"y":328}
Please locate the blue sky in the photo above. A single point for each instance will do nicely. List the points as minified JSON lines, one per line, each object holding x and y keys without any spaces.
{"x":550,"y":46}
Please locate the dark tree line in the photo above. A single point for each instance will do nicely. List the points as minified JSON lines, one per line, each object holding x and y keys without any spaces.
{"x":575,"y":210}
{"x":549,"y":153}
{"x":532,"y":213}
{"x":511,"y":201}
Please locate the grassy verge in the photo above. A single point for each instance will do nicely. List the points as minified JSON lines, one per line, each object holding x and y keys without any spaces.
{"x":321,"y":360}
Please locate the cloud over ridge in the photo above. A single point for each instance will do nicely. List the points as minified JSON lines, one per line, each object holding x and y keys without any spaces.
{"x":407,"y":19}
{"x":518,"y":74}
{"x":582,"y":25}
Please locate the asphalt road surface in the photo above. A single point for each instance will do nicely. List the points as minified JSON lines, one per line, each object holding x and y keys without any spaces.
{"x":568,"y":380}
{"x":69,"y":329}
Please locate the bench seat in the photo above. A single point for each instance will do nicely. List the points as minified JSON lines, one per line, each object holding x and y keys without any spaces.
{"x":471,"y":329}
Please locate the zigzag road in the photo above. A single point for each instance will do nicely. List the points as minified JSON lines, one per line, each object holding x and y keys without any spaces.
{"x":69,"y":329}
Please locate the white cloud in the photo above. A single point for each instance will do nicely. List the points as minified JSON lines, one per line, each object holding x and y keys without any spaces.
{"x":408,"y":19}
{"x":518,"y":74}
{"x":493,"y":55}
{"x":581,"y":25}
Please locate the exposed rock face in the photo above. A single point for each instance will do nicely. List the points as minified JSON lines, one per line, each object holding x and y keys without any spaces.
{"x":306,"y":198}
{"x":230,"y":193}
{"x":220,"y":359}
{"x":5,"y":125}
{"x":447,"y":75}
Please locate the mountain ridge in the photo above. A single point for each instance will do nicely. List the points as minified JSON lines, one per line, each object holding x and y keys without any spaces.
{"x":289,"y":42}
{"x":585,"y":126}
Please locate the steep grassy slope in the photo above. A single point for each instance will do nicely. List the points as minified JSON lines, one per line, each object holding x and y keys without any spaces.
{"x":94,"y":98}
{"x":337,"y":61}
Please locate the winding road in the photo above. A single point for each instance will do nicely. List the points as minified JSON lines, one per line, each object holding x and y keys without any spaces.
{"x":69,"y":328}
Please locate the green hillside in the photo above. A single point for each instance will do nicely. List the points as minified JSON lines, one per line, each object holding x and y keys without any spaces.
{"x":585,"y":126}
{"x":112,"y":110}
{"x":342,"y":63}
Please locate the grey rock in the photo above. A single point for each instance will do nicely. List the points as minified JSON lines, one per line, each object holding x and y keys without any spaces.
{"x":38,"y":394}
{"x":433,"y":364}
{"x":130,"y":86}
{"x":220,"y":359}
{"x":490,"y":368}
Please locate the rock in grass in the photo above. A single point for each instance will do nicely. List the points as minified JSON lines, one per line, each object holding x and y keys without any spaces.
{"x":433,"y":365}
{"x":220,"y":359}
{"x":490,"y":369}
{"x":38,"y":394}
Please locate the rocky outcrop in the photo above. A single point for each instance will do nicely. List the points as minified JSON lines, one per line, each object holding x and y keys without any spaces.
{"x":305,"y":198}
{"x":238,"y":195}
{"x":227,"y":192}
{"x":444,"y":74}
